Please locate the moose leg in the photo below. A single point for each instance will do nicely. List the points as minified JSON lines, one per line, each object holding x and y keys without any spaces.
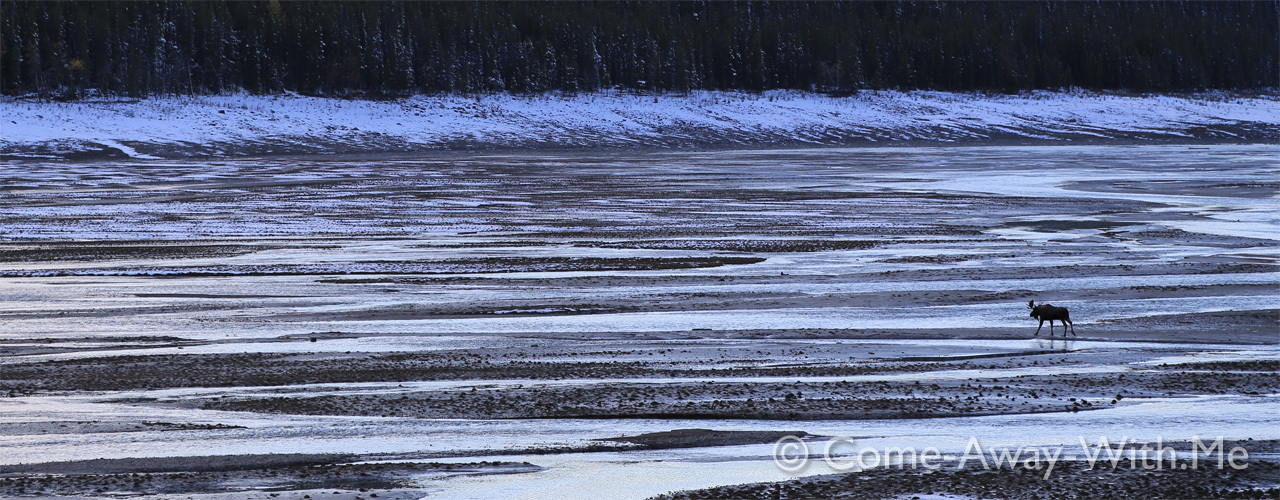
{"x":1041,"y":326}
{"x":1073,"y":328}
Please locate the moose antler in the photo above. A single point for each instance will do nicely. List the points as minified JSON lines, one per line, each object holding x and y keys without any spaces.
{"x":1031,"y":304}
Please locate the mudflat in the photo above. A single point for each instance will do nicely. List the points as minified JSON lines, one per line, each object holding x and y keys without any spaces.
{"x":526,"y":324}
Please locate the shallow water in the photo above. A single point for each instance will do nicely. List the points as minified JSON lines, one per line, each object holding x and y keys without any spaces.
{"x":959,"y":238}
{"x":639,"y":474}
{"x":644,"y":474}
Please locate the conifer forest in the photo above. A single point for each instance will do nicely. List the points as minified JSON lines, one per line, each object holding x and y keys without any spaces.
{"x":127,"y":48}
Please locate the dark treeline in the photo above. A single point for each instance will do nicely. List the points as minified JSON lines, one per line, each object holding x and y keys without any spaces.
{"x":68,"y":49}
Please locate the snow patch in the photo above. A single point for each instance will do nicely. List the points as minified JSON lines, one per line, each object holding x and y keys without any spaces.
{"x":230,"y":124}
{"x":128,"y":151}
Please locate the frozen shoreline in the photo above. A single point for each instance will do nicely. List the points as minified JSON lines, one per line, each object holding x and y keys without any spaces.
{"x":234,"y":125}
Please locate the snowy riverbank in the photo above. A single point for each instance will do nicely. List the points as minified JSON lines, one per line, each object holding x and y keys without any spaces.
{"x":244,"y":124}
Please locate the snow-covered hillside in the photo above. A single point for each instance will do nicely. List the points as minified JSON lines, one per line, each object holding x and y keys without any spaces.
{"x":244,"y":124}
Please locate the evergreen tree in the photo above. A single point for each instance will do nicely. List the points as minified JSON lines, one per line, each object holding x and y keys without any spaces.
{"x":69,"y":49}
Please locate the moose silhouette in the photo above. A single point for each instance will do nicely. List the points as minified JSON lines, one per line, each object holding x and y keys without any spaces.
{"x":1051,"y":313}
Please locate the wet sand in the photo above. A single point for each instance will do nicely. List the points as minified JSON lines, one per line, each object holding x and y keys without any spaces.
{"x":503,"y":324}
{"x":1069,"y":481}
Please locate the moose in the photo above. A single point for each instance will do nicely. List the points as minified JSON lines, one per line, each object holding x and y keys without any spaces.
{"x":1051,"y":313}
